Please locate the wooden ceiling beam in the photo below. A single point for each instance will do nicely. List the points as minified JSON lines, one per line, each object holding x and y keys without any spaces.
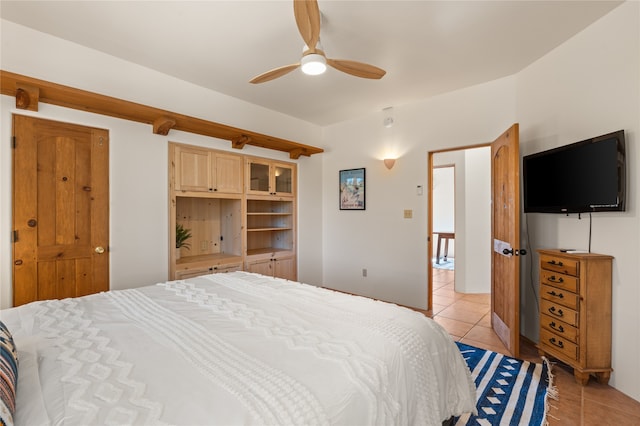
{"x":29,"y":91}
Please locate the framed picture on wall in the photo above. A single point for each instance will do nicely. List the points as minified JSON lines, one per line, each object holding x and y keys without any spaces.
{"x":352,"y":189}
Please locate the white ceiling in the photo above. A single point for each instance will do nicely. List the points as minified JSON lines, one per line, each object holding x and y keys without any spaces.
{"x":426,"y":47}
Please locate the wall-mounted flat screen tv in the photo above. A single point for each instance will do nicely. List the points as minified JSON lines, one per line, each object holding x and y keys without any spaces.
{"x":586,"y":176}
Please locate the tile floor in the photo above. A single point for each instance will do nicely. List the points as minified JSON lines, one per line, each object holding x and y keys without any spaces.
{"x":466,"y":318}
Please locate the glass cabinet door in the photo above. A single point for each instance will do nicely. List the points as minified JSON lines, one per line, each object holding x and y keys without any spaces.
{"x":259,"y":177}
{"x":284,"y":179}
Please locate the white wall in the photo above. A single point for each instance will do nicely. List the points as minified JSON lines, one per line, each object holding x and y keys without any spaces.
{"x":477,"y":216}
{"x":391,"y":248}
{"x":138,"y":158}
{"x":587,"y":87}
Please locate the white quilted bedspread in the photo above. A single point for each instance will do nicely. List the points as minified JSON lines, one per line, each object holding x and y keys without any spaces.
{"x":231,"y":349}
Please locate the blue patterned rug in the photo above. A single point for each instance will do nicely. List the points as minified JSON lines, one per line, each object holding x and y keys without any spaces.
{"x":509,"y":391}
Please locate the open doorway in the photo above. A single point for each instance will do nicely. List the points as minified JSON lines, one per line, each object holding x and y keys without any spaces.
{"x":460,"y":215}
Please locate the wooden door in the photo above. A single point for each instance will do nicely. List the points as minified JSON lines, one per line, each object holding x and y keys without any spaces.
{"x":505,"y":232}
{"x":60,"y":210}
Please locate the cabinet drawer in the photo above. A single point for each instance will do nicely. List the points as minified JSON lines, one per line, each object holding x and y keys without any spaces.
{"x":191,"y":273}
{"x":183,"y":274}
{"x":557,"y":311}
{"x":560,"y":296}
{"x":555,"y":279}
{"x":558,"y":344}
{"x":559,"y":328}
{"x":559,"y":264}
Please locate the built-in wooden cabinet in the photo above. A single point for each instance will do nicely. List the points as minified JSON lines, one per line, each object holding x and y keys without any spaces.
{"x":233,"y":226}
{"x":575,"y":312}
{"x":204,"y":170}
{"x":265,"y":177}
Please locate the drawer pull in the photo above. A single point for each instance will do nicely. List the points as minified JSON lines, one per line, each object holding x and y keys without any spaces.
{"x":556,"y":327}
{"x":554,"y":294}
{"x":558,"y":343}
{"x":553,"y":262}
{"x":559,"y":313}
{"x":556,"y":280}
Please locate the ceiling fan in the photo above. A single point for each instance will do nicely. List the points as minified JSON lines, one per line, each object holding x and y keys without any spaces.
{"x":314,"y":61}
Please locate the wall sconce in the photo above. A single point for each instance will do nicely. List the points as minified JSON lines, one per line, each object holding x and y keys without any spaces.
{"x":389,"y":162}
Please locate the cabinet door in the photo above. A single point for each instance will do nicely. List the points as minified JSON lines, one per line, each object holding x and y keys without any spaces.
{"x":283,"y":179}
{"x":264,"y":267}
{"x":285,"y":268}
{"x":227,"y":173}
{"x":258,"y":177}
{"x":270,"y":178}
{"x":192,"y":169}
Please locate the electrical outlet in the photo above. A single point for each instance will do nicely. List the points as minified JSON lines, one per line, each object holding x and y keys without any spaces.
{"x":204,"y":245}
{"x":364,"y":272}
{"x":408,"y":214}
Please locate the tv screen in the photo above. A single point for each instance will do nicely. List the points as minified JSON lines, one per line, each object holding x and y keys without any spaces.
{"x":586,"y":176}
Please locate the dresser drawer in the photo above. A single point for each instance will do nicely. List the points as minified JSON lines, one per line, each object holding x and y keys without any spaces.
{"x":558,"y":344}
{"x":559,"y":264}
{"x":560,"y":312}
{"x":556,"y":279}
{"x":559,"y":328}
{"x":558,"y":295}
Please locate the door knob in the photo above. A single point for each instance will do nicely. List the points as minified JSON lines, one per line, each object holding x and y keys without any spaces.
{"x":515,"y":252}
{"x":99,"y":250}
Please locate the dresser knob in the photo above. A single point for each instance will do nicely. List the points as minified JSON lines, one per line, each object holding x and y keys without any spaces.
{"x":558,"y":343}
{"x":556,"y":327}
{"x":553,"y":311}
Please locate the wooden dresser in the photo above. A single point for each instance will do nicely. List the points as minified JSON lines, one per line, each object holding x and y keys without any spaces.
{"x":575,"y":312}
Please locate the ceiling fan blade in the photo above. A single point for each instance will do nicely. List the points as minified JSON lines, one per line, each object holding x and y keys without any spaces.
{"x":274,"y":73}
{"x":307,"y":16}
{"x":358,"y":69}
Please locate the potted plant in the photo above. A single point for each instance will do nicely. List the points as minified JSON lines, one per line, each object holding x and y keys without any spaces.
{"x":182,"y":235}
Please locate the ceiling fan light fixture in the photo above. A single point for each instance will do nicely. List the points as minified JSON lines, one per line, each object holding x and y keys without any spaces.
{"x":313,"y":64}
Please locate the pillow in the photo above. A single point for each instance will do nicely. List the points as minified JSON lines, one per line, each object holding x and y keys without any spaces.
{"x":8,"y":376}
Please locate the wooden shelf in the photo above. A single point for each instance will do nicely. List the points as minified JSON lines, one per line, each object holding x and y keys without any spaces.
{"x":268,"y":229}
{"x":267,"y":250}
{"x":30,"y":91}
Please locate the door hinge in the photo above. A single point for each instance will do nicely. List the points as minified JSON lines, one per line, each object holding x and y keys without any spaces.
{"x":13,"y":142}
{"x":14,"y":236}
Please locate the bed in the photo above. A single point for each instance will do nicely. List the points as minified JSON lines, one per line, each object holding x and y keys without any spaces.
{"x":229,"y":349}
